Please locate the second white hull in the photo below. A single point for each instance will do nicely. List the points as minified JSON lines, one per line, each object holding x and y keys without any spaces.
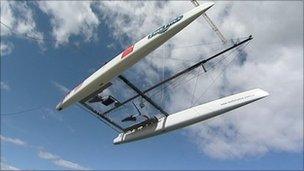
{"x":192,"y":115}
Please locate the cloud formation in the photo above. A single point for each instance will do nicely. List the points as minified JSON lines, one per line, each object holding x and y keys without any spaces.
{"x":6,"y":166}
{"x":6,"y":48}
{"x":4,"y":86}
{"x":60,"y":87}
{"x":41,"y":153}
{"x":57,"y":160}
{"x":19,"y":17}
{"x":70,"y":18}
{"x":15,"y":141}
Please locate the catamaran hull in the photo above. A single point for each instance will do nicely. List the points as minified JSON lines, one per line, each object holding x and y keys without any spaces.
{"x":192,"y":115}
{"x":131,"y":55}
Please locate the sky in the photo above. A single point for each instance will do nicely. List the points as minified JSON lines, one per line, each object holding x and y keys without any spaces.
{"x":54,"y":45}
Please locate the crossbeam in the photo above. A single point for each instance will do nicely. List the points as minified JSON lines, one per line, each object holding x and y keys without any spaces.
{"x":102,"y":117}
{"x":140,"y":93}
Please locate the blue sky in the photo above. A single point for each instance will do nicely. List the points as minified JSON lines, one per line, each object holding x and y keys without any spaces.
{"x":33,"y":73}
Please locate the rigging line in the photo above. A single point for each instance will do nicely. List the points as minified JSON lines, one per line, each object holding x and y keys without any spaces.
{"x":212,"y":74}
{"x":213,"y":81}
{"x":224,"y":59}
{"x":179,"y":81}
{"x":220,"y":59}
{"x":177,"y":59}
{"x":186,"y":60}
{"x":225,"y":56}
{"x":20,"y":112}
{"x":174,"y":82}
{"x":195,"y":45}
{"x":211,"y":43}
{"x":24,"y":34}
{"x":217,"y":77}
{"x":198,"y":72}
{"x":163,"y":74}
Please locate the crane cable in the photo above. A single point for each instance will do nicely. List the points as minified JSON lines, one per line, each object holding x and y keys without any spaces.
{"x":24,"y":34}
{"x":20,"y":112}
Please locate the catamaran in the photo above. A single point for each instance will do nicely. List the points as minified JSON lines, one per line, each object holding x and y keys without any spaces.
{"x":94,"y":94}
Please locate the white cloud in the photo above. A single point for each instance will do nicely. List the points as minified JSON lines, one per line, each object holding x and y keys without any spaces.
{"x":52,"y":114}
{"x":57,"y":160}
{"x":6,"y":48}
{"x":47,"y":155}
{"x":7,"y":17}
{"x":43,"y":154}
{"x":69,"y":165}
{"x":60,"y":87}
{"x":19,"y":17}
{"x":70,"y":18}
{"x":274,"y":63}
{"x":136,"y":23}
{"x":15,"y":141}
{"x":5,"y":166}
{"x":4,"y":86}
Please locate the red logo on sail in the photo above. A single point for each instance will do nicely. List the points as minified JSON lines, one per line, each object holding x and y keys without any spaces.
{"x":127,"y":51}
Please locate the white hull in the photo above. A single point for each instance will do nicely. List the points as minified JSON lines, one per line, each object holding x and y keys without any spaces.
{"x":131,"y":55}
{"x":192,"y":115}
